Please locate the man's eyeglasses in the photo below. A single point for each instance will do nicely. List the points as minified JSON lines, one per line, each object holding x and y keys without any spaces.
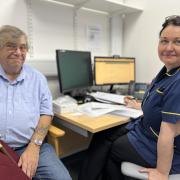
{"x":13,"y":47}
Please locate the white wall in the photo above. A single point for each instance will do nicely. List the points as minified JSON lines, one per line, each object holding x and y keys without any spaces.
{"x":52,"y":28}
{"x":117,"y":33}
{"x":14,"y":13}
{"x":141,"y":35}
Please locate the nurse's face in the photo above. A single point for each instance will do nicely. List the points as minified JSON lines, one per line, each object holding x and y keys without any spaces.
{"x":169,"y":46}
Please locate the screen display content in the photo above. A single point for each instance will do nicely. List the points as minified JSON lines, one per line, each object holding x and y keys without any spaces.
{"x":110,"y":70}
{"x":74,"y":70}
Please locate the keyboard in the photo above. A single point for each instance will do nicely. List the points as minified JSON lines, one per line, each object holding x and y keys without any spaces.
{"x":108,"y":97}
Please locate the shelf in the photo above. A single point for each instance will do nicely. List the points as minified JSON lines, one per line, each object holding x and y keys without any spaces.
{"x":103,"y":6}
{"x":47,"y":67}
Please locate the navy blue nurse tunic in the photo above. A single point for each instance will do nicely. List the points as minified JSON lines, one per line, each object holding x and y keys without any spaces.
{"x":161,"y":103}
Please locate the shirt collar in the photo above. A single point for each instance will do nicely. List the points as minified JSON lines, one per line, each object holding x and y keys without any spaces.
{"x":21,"y":76}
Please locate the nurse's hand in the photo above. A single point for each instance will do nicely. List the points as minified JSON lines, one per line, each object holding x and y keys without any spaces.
{"x":132,"y":103}
{"x":154,"y":174}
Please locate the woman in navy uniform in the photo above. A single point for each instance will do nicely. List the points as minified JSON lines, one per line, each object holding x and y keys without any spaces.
{"x":153,"y":140}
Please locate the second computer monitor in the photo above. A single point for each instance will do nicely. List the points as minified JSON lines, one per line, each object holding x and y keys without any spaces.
{"x":110,"y":70}
{"x":74,"y":70}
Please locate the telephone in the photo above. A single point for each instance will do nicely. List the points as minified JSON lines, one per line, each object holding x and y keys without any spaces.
{"x":64,"y":104}
{"x":137,"y":89}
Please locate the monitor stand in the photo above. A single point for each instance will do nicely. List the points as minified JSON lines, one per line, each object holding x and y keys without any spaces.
{"x":111,"y":89}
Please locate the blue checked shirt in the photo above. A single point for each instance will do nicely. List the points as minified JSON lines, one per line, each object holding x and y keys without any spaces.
{"x":22,"y":101}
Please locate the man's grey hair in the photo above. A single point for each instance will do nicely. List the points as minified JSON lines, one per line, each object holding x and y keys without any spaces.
{"x":10,"y":33}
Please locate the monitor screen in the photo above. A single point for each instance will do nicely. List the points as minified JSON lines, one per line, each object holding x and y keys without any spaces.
{"x":110,"y":70}
{"x":74,"y":70}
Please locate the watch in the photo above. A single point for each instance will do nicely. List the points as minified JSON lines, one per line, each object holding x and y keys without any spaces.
{"x":38,"y":142}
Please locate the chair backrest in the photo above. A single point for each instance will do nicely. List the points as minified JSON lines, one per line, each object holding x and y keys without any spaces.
{"x":131,"y":170}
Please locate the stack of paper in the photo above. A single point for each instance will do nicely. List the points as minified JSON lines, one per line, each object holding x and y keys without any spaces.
{"x":129,"y":112}
{"x":108,"y":97}
{"x":96,"y":109}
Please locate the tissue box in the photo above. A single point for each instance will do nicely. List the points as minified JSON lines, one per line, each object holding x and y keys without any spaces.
{"x":67,"y":107}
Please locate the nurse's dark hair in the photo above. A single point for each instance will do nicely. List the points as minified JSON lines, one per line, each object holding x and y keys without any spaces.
{"x":10,"y":33}
{"x":170,"y":20}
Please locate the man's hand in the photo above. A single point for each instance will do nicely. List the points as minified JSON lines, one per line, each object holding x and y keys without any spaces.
{"x":29,"y":160}
{"x":154,"y":174}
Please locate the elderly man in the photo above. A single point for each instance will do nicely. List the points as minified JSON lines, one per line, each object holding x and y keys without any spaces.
{"x":26,"y":109}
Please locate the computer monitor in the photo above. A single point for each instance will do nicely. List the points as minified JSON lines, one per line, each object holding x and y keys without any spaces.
{"x":74,"y":70}
{"x":114,"y":70}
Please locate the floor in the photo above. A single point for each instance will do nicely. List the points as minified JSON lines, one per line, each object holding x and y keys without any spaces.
{"x":73,"y":163}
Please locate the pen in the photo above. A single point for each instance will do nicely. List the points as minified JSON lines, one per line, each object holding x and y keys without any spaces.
{"x":131,"y":98}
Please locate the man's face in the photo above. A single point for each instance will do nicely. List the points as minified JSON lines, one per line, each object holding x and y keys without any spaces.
{"x":169,"y":46}
{"x":13,"y":55}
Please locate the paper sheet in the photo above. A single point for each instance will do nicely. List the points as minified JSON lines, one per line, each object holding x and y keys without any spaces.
{"x":96,"y":109}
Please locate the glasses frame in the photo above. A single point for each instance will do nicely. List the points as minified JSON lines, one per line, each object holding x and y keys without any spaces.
{"x":12,"y":47}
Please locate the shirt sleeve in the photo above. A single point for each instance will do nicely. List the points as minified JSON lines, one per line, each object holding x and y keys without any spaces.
{"x":171,"y":104}
{"x":45,"y":98}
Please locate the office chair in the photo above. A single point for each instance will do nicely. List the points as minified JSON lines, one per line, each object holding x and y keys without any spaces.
{"x":131,"y":170}
{"x":53,"y":136}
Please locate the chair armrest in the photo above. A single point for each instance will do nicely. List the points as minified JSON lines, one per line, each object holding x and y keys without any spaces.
{"x":55,"y":132}
{"x":53,"y":138}
{"x":132,"y":170}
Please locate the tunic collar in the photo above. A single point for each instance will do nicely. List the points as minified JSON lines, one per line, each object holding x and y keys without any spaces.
{"x":163,"y":73}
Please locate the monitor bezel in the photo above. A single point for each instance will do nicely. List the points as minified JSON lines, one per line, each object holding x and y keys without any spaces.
{"x":69,"y":90}
{"x":110,"y":57}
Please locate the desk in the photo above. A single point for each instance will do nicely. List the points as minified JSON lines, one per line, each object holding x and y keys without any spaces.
{"x":93,"y":124}
{"x":86,"y":126}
